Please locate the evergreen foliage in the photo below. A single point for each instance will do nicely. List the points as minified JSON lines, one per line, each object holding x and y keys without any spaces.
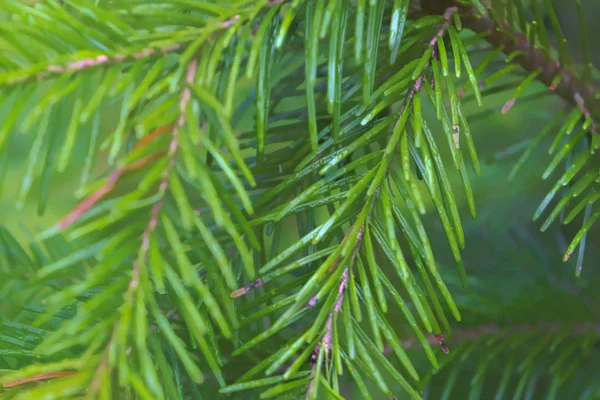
{"x":260,"y":198}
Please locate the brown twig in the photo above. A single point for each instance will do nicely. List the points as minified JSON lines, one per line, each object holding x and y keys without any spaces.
{"x":558,"y":78}
{"x":40,"y":377}
{"x":570,"y":86}
{"x":89,"y":62}
{"x":463,"y":335}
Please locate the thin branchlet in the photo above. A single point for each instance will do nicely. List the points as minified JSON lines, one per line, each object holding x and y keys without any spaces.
{"x":82,"y":64}
{"x":154,"y":215}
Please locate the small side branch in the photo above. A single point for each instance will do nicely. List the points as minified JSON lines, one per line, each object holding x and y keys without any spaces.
{"x":154,"y":216}
{"x":88,"y":62}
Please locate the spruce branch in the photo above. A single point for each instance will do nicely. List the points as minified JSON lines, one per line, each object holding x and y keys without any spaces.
{"x":232,"y":23}
{"x":172,"y":156}
{"x":558,"y":78}
{"x":155,"y":213}
{"x":84,"y":63}
{"x":324,"y":344}
{"x":561,"y":79}
{"x":505,"y":34}
{"x":71,"y":63}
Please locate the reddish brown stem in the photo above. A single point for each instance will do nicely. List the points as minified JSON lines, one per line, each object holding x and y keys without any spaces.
{"x":570,"y":87}
{"x":40,"y":377}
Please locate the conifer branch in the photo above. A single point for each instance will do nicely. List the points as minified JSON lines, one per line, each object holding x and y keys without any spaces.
{"x":172,"y":154}
{"x":559,"y":78}
{"x":154,"y":213}
{"x":85,"y":63}
{"x":42,"y":72}
{"x":399,"y":129}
